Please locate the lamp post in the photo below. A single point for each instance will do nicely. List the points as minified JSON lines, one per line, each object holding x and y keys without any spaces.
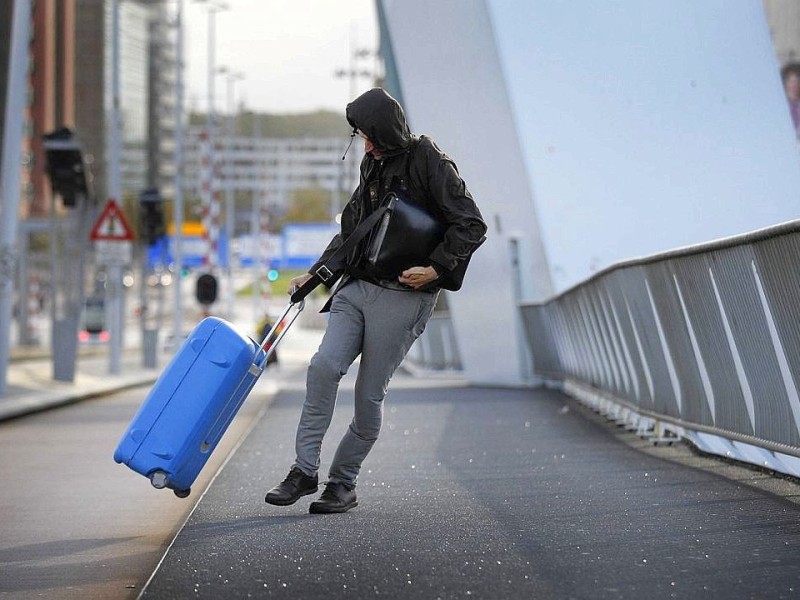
{"x":231,"y":77}
{"x":208,"y":188}
{"x":353,"y":73}
{"x":177,"y":331}
{"x":115,"y":310}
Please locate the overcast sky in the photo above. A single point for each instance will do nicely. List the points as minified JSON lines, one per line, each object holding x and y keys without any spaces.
{"x":287,"y":50}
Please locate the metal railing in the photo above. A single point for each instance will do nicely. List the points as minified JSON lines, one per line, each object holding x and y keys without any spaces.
{"x":701,"y":342}
{"x":436,"y":348}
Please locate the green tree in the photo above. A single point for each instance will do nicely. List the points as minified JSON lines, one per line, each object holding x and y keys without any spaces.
{"x":318,"y":124}
{"x":308,"y":205}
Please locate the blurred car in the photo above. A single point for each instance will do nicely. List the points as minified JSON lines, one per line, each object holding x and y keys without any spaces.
{"x":93,"y":321}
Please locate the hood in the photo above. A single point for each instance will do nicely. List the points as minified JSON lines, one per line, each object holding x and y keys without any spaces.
{"x":382,"y":120}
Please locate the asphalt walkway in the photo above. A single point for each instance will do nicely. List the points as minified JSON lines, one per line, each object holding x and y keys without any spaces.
{"x":484,"y":493}
{"x":469,"y":493}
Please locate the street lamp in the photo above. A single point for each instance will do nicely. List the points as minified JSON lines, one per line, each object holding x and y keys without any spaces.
{"x":115,"y":296}
{"x":213,"y":6}
{"x":231,"y":77}
{"x":179,"y":164}
{"x":354,"y":73}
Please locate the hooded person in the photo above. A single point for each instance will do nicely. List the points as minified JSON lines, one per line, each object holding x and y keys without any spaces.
{"x":376,"y":314}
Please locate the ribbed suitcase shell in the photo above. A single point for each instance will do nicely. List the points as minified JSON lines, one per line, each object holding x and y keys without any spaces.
{"x":191,"y":405}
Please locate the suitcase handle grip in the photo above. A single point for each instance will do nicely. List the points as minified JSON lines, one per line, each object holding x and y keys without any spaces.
{"x":278,"y":330}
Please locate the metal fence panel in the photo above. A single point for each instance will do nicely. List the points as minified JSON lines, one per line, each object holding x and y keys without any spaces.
{"x":776,"y":272}
{"x":714,"y":359}
{"x":646,"y":320}
{"x":706,"y":338}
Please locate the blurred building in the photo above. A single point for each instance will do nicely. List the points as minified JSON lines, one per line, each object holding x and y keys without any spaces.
{"x":783,"y":17}
{"x":70,"y":85}
{"x":273,"y":168}
{"x":162,"y":79}
{"x":147,"y":91}
{"x":50,"y":93}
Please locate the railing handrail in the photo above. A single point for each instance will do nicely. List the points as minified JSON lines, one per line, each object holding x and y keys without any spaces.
{"x":719,"y":244}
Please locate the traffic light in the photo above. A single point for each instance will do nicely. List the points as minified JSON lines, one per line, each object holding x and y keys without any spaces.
{"x":151,"y":215}
{"x":206,"y":290}
{"x":69,"y":174}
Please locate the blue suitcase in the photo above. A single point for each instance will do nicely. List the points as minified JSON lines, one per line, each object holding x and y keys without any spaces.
{"x":194,"y":401}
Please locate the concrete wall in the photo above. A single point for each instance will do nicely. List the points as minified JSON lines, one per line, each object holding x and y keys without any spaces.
{"x":453,"y":89}
{"x":647,"y":126}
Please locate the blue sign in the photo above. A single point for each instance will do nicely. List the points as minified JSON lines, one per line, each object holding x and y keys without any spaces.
{"x":193,"y":251}
{"x":303,"y":243}
{"x":299,"y":246}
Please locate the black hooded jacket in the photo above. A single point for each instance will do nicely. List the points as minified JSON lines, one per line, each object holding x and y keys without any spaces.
{"x":418,"y":164}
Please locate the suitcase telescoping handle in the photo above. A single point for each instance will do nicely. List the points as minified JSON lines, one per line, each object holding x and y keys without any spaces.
{"x":279,"y":329}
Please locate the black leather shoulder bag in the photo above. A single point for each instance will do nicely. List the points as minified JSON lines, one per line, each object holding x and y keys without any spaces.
{"x":405,"y":237}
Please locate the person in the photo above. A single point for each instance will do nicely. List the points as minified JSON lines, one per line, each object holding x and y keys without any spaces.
{"x":371,"y":315}
{"x":790,"y":74}
{"x":263,"y":327}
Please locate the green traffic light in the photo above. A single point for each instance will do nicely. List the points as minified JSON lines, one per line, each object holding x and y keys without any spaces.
{"x":273,"y":274}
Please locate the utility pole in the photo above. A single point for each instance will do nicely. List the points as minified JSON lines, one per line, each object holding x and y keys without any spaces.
{"x":115,"y":305}
{"x":210,"y":184}
{"x":71,"y":180}
{"x":179,"y":160}
{"x":231,"y":77}
{"x":16,"y":92}
{"x":260,"y":235}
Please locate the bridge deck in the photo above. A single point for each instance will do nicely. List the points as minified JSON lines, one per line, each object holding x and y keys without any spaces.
{"x":485,"y":493}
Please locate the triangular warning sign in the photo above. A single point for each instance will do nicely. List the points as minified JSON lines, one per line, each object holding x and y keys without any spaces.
{"x":111,"y":225}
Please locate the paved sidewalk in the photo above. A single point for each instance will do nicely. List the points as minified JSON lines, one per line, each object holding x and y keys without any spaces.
{"x":30,"y":386}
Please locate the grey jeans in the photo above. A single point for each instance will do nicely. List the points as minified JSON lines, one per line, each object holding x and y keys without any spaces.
{"x":379,"y":324}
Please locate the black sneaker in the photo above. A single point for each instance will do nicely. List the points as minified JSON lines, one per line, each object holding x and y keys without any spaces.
{"x":296,"y":485}
{"x":337,"y":498}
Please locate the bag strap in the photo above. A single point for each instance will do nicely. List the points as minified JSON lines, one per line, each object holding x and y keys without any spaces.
{"x":338,"y":259}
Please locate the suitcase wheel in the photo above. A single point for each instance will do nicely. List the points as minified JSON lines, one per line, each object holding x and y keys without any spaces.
{"x":159,"y":479}
{"x":182,"y":493}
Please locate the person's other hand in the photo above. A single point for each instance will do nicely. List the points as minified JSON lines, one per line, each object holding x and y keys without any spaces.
{"x":298,"y":282}
{"x":416,"y":277}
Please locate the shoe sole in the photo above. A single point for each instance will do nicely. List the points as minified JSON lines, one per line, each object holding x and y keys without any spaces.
{"x":278,"y":502}
{"x":316,"y":509}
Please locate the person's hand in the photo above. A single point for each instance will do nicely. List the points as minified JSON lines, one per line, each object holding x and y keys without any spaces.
{"x":416,"y":277}
{"x":298,"y":282}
